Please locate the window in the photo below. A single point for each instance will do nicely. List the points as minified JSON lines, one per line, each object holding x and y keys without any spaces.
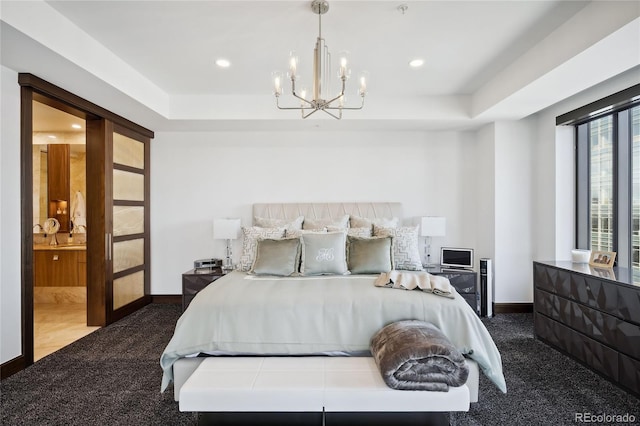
{"x":635,"y":198}
{"x":601,"y":182}
{"x":608,"y":176}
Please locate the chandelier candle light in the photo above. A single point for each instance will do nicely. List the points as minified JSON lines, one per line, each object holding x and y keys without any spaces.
{"x":321,"y":77}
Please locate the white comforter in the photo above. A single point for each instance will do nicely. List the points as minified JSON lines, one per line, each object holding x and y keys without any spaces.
{"x":243,"y":314}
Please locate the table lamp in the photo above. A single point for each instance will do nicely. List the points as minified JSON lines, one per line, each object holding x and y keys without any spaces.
{"x":226,"y":229}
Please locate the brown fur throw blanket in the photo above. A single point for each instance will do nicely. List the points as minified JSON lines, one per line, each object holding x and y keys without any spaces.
{"x":416,"y":355}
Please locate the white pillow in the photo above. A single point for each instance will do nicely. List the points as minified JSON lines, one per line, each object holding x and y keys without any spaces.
{"x":250,"y":237}
{"x":406,"y":253}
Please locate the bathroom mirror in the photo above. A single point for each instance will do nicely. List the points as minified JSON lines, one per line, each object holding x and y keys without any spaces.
{"x":65,"y":171}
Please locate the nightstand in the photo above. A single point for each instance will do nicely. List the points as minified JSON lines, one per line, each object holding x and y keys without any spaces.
{"x":195,"y":280}
{"x":464,"y":281}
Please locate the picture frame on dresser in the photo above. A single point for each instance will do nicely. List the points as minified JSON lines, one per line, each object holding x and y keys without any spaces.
{"x":602,"y":259}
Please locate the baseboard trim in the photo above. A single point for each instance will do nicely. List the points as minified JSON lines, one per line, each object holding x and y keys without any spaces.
{"x":512,"y":308}
{"x":170,"y":299}
{"x":11,"y":367}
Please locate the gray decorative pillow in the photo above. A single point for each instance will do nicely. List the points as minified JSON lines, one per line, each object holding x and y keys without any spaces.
{"x":382,"y":222}
{"x":369,"y":255}
{"x":277,"y":257}
{"x":324,"y":254}
{"x":250,"y":236}
{"x":342,"y":222}
{"x":265,"y":222}
{"x":406,"y":254}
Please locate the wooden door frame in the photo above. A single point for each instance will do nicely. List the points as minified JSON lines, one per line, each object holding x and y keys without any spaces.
{"x":100,"y":121}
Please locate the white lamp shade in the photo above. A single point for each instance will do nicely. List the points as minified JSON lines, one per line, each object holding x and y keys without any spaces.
{"x":433,"y":226}
{"x":226,"y":229}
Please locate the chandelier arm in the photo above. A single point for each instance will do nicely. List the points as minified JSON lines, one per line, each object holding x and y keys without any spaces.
{"x":303,"y":99}
{"x":335,"y":99}
{"x":280,"y":107}
{"x":293,"y":92}
{"x":333,"y":115}
{"x":312,"y":112}
{"x":349,"y":108}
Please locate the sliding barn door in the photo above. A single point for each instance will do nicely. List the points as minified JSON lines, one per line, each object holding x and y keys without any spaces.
{"x":118,"y":259}
{"x":129,"y":237}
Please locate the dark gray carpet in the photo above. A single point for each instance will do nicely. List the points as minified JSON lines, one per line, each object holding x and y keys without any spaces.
{"x":112,"y":377}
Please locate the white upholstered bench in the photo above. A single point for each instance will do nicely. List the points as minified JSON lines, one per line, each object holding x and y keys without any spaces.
{"x":309,"y":385}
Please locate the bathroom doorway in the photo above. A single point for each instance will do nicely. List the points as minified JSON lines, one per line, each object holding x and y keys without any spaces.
{"x":59,"y":229}
{"x":117,"y":206}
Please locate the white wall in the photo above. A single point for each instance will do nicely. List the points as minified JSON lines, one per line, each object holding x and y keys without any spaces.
{"x":196,"y":177}
{"x":485,"y":193}
{"x":513,"y":231}
{"x":10,"y":332}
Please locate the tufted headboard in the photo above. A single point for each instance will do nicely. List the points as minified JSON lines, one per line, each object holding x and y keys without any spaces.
{"x":326,"y":210}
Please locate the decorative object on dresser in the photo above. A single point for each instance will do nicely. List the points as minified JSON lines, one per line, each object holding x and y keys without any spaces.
{"x":593,"y":319}
{"x":580,"y":255}
{"x":194,"y":280}
{"x":432,"y":226}
{"x":226,"y":229}
{"x":602,"y":259}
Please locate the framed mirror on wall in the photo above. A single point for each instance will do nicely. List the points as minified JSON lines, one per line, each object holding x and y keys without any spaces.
{"x":59,"y":169}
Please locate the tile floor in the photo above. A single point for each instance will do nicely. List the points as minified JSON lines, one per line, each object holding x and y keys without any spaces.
{"x":56,"y":325}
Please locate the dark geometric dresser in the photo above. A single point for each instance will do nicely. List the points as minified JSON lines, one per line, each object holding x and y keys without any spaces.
{"x":592,"y":315}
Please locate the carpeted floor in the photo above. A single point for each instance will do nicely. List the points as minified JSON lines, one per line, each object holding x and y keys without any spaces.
{"x":112,"y":377}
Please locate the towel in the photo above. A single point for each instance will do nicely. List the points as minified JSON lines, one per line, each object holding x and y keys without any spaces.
{"x":435,"y":284}
{"x":78,"y":212}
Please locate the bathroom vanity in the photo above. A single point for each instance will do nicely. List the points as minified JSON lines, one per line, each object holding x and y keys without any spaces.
{"x":63,"y":265}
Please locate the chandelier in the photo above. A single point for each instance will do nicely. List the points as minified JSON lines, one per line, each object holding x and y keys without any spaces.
{"x":332,"y":104}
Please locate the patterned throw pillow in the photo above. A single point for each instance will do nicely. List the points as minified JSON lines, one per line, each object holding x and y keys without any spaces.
{"x":250,"y":236}
{"x":265,"y":222}
{"x":406,"y":254}
{"x":324,"y":254}
{"x":341,"y":222}
{"x":297,"y":233}
{"x":382,"y":222}
{"x":353,"y":232}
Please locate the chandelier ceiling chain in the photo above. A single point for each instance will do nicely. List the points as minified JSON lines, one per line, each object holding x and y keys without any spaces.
{"x":321,"y":77}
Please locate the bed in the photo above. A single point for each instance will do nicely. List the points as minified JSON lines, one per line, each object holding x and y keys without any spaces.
{"x":244,"y":313}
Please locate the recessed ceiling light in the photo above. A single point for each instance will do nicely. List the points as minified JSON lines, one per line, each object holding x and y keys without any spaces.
{"x":52,"y":137}
{"x":223,"y":63}
{"x":415,"y":63}
{"x":76,"y":126}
